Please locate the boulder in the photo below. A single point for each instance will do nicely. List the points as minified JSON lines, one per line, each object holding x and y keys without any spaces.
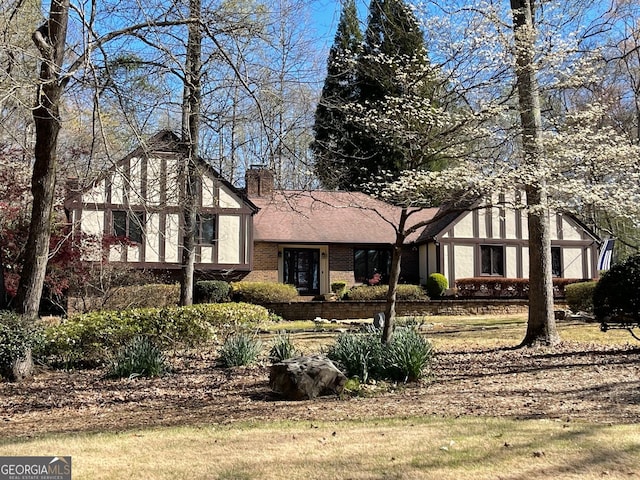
{"x":303,"y":378}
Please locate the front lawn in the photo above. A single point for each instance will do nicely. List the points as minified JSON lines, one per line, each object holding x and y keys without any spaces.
{"x":489,"y":411}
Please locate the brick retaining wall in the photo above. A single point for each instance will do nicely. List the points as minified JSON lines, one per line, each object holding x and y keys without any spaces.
{"x":343,"y":310}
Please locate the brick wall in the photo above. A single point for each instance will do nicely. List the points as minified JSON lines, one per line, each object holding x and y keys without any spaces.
{"x":341,"y":264}
{"x":343,"y":310}
{"x":265,"y":263}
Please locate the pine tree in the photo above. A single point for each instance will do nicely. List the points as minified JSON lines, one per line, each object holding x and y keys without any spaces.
{"x":332,"y":147}
{"x":365,"y":76}
{"x":393,"y":64}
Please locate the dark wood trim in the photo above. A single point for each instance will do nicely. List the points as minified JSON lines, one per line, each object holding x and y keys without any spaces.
{"x":143,"y":178}
{"x":176,"y":266}
{"x":163,"y":182}
{"x":488,"y":221}
{"x":559,"y":226}
{"x":108,"y":184}
{"x":519,"y":261}
{"x":126,"y":182}
{"x":476,"y":223}
{"x":161,"y":209}
{"x":162,"y":236}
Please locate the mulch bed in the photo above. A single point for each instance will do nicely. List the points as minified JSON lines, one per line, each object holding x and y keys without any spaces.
{"x":574,"y":381}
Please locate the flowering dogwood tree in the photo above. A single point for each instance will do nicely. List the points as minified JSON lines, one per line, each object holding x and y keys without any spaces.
{"x":570,"y":162}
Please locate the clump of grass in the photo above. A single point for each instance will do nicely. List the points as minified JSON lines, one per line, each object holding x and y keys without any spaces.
{"x":282,"y":348}
{"x":408,"y":355}
{"x":141,"y":357}
{"x":240,"y":349}
{"x":359,"y":354}
{"x":362,"y":355}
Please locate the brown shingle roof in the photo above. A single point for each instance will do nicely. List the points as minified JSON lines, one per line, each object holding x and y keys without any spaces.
{"x":327,"y":217}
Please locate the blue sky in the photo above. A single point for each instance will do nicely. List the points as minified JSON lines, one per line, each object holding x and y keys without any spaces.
{"x":326,"y":14}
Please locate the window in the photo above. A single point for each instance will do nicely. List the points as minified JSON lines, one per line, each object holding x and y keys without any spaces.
{"x":492,"y":260}
{"x":556,"y":261}
{"x":128,"y":224}
{"x":371,"y":265}
{"x":206,"y":228}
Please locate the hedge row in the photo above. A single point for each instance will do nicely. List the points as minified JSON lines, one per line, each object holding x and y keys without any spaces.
{"x":489,"y":287}
{"x":89,"y":339}
{"x":379,"y":292}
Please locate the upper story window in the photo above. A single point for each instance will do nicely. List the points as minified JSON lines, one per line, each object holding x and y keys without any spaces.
{"x":206,"y":228}
{"x":492,"y":260}
{"x":128,"y":224}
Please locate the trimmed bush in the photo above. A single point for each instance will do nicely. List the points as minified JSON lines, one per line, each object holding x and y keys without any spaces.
{"x":240,"y":349}
{"x":153,"y":295}
{"x":263,"y":292}
{"x":437,"y":284}
{"x":141,"y":357}
{"x":379,"y":292}
{"x":579,"y":296}
{"x":282,"y":348}
{"x":87,"y":340}
{"x":211,"y":291}
{"x":493,"y":287}
{"x":616,"y":294}
{"x":18,"y":337}
{"x":339,"y":288}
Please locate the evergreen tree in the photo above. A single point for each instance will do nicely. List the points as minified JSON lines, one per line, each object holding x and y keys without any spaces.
{"x":394,"y":68}
{"x":333,"y":147}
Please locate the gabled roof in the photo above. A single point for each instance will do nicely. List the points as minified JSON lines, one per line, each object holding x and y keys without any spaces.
{"x":328,"y":217}
{"x":166,"y":141}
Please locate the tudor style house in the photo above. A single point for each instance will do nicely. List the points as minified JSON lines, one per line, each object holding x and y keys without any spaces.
{"x":305,"y":238}
{"x":139,"y":198}
{"x":311,"y":239}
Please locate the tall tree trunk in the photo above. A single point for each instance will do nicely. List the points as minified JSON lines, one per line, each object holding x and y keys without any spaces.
{"x":541,"y":327}
{"x":394,"y":278}
{"x":190,"y":127}
{"x":50,"y":39}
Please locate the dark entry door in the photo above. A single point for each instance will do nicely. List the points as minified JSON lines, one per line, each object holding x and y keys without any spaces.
{"x":302,"y":269}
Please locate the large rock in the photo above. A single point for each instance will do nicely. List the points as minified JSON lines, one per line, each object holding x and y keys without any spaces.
{"x":303,"y":378}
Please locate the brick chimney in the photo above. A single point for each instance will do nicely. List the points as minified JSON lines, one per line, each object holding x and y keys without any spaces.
{"x":259,"y":181}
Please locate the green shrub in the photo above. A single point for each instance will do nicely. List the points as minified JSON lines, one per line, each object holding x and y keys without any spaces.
{"x":87,"y":340}
{"x":339,"y":288}
{"x":362,"y":355}
{"x":153,"y":295}
{"x":282,"y":348}
{"x":616,"y":294}
{"x":579,"y":296}
{"x":211,"y":291}
{"x":240,"y":349}
{"x":18,"y":337}
{"x":140,"y":357}
{"x":359,"y":354}
{"x":437,"y":284}
{"x":263,"y":292}
{"x":366,"y":292}
{"x":379,"y":292}
{"x":408,"y":355}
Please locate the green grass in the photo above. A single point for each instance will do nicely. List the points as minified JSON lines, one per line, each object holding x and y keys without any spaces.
{"x":411,"y":448}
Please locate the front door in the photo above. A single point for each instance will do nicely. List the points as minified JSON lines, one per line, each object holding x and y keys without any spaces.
{"x":302,"y":269}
